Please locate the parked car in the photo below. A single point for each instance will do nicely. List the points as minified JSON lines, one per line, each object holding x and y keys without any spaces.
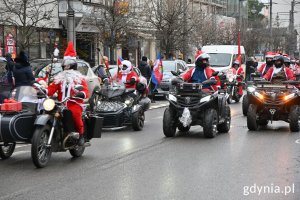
{"x":178,"y":66}
{"x":41,"y":66}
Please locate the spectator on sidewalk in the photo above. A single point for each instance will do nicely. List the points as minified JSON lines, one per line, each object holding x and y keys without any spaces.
{"x":145,"y":68}
{"x":22,"y":71}
{"x":151,"y":85}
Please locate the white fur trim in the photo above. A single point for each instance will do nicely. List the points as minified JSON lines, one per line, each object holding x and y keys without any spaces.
{"x":69,"y":57}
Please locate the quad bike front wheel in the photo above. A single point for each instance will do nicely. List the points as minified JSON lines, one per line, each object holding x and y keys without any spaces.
{"x":294,"y":119}
{"x":40,"y":152}
{"x":210,"y":123}
{"x":225,"y":126}
{"x":7,"y":150}
{"x":245,"y":104}
{"x":169,"y":124}
{"x":252,"y":118}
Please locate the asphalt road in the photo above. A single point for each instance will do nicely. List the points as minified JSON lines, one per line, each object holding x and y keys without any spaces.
{"x":146,"y":165}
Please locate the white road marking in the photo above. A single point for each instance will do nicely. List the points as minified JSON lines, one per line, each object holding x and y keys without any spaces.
{"x":298,"y":141}
{"x":20,"y":152}
{"x":20,"y":146}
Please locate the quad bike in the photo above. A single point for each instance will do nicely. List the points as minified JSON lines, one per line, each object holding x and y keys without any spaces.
{"x":191,"y":105}
{"x":273,"y":102}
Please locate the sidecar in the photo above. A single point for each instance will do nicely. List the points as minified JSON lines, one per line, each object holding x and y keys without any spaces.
{"x":17,"y":120}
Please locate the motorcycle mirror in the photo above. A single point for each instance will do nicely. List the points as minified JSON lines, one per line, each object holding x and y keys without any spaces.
{"x":78,"y":87}
{"x":174,"y":73}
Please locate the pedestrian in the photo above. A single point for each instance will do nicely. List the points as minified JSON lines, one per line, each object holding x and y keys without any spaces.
{"x":145,"y":68}
{"x":22,"y":71}
{"x":151,"y":85}
{"x":9,"y":69}
{"x":250,"y":68}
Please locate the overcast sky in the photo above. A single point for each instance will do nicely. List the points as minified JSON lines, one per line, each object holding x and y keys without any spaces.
{"x":285,"y":6}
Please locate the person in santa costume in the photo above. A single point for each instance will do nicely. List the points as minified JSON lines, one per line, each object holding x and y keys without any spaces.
{"x":127,"y":76}
{"x":64,"y":84}
{"x":201,"y":72}
{"x":264,"y":68}
{"x":279,"y":71}
{"x":239,"y":72}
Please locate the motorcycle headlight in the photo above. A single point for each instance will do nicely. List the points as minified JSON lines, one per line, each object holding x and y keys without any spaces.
{"x":172,"y":98}
{"x":129,"y":101}
{"x":290,"y":96}
{"x":251,"y":89}
{"x":260,"y":96}
{"x":49,"y":104}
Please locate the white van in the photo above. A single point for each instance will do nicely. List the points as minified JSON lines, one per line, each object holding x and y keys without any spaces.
{"x":222,"y":56}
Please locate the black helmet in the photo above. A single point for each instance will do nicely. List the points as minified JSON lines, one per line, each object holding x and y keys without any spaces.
{"x":69,"y":64}
{"x":278,"y":61}
{"x":287,"y":60}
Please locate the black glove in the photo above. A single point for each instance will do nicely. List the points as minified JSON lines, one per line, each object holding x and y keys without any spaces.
{"x":132,"y":81}
{"x":80,"y":95}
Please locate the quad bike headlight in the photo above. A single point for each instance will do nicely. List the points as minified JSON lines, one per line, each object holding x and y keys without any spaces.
{"x":251,"y":89}
{"x":260,"y":96}
{"x":288,"y":97}
{"x":49,"y":104}
{"x":172,"y":98}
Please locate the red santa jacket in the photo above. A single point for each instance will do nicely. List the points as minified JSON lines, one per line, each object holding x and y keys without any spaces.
{"x":239,"y":71}
{"x":262,"y":68}
{"x":207,"y":72}
{"x":289,"y":74}
{"x":64,"y":84}
{"x":125,"y":78}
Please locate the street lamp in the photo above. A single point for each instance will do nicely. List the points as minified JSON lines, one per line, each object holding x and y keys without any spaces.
{"x":71,"y":24}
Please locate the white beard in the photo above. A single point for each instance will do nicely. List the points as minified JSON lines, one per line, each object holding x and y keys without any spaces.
{"x":68,"y":79}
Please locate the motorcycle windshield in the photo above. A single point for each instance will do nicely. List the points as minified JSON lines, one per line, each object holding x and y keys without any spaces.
{"x":26,"y":94}
{"x":113,"y":90}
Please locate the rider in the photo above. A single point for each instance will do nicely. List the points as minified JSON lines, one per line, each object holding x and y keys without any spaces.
{"x":264,"y":68}
{"x":279,"y":70}
{"x":64,"y":84}
{"x":287,"y":61}
{"x":201,"y":71}
{"x":127,"y":75}
{"x":238,"y":71}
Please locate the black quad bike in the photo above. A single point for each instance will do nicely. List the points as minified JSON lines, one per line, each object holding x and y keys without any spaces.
{"x":121,"y":107}
{"x":55,"y":131}
{"x":191,"y":105}
{"x":273,"y":102}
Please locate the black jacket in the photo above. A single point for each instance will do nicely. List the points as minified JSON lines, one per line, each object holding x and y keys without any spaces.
{"x":9,"y":68}
{"x":23,"y":73}
{"x":145,"y":70}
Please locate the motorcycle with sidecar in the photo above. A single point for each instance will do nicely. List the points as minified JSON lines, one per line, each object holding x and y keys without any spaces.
{"x":40,"y":122}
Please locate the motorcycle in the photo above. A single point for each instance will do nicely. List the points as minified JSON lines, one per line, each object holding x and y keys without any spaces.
{"x":121,"y":107}
{"x":17,"y":119}
{"x":54,"y":130}
{"x":232,"y":86}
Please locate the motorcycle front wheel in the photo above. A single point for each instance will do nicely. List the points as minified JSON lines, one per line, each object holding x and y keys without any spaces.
{"x":40,"y":152}
{"x":7,"y":150}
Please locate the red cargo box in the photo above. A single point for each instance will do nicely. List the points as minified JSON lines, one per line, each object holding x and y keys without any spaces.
{"x":11,"y":107}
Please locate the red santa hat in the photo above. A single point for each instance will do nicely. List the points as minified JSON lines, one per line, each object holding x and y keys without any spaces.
{"x":201,"y":55}
{"x":70,"y":53}
{"x":270,"y":54}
